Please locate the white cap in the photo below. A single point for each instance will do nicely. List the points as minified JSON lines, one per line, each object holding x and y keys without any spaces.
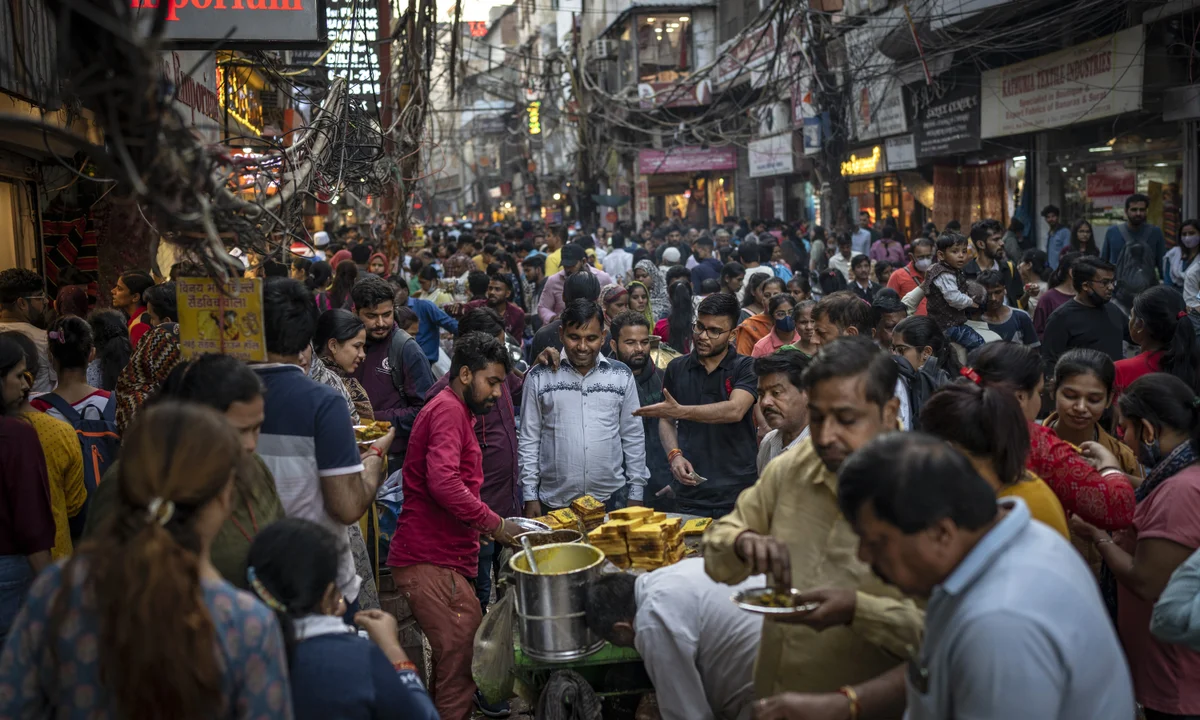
{"x":320,"y":238}
{"x":671,"y":255}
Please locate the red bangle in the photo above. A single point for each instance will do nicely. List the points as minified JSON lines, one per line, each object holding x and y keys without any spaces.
{"x":375,"y":451}
{"x":406,"y":665}
{"x":673,"y":454}
{"x":852,"y":696}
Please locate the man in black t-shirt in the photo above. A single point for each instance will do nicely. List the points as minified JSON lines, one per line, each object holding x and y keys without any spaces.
{"x":705,"y":420}
{"x":1088,"y":320}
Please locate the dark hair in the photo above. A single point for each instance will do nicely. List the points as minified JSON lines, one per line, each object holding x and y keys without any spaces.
{"x":923,"y":241}
{"x":71,"y":342}
{"x":984,"y":421}
{"x":953,"y":227}
{"x":291,"y":564}
{"x":360,"y":254}
{"x":580,"y":312}
{"x":1085,"y":269}
{"x":629,"y":318}
{"x":859,"y":260}
{"x":1164,"y":401}
{"x":581,"y":286}
{"x":681,"y":317}
{"x":982,"y":228}
{"x":428,"y":272}
{"x":162,"y":300}
{"x":851,"y":356}
{"x":138,"y":283}
{"x":1037,"y":261}
{"x":846,"y":310}
{"x":110,"y":336}
{"x":536,"y":261}
{"x":792,"y":363}
{"x":1136,"y":197}
{"x":887,"y":301}
{"x":922,"y":331}
{"x":1164,"y":316}
{"x":677,"y":272}
{"x":721,"y":304}
{"x":336,"y":324}
{"x":371,"y":291}
{"x":831,"y":281}
{"x":926,"y":481}
{"x":16,"y":283}
{"x":802,"y":282}
{"x":404,"y":316}
{"x":708,"y":286}
{"x":215,"y":380}
{"x":33,"y":362}
{"x":881,"y":267}
{"x":11,"y":355}
{"x":344,"y":278}
{"x":617,"y":240}
{"x":1060,"y":273}
{"x":506,"y":279}
{"x":289,"y":316}
{"x":1051,"y":209}
{"x":302,"y":264}
{"x":481,"y":319}
{"x":779,"y":300}
{"x":1074,"y":243}
{"x":748,"y":252}
{"x":273,"y":268}
{"x":948,"y":240}
{"x":1017,"y":366}
{"x":1083,"y":361}
{"x":317,"y":276}
{"x":477,"y":283}
{"x":1016,"y":226}
{"x":475,"y":351}
{"x":771,"y":279}
{"x":990,"y":279}
{"x":610,"y":600}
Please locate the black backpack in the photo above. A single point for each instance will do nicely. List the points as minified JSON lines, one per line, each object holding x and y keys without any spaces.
{"x":1136,"y":270}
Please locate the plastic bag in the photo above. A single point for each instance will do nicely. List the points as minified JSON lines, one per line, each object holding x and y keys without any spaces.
{"x":492,"y":663}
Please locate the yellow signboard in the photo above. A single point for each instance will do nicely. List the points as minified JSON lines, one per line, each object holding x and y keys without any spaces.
{"x":230,"y":323}
{"x":864,"y":164}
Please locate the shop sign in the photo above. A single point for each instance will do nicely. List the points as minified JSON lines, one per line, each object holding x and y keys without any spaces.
{"x":353,"y":29}
{"x":750,"y":53}
{"x":879,"y":108}
{"x":900,"y":153}
{"x":642,"y":198}
{"x":864,"y":162}
{"x":193,"y":74}
{"x":228,"y":321}
{"x":534,"y":110}
{"x":1111,"y":184}
{"x":1086,"y":82}
{"x":686,"y":159}
{"x":948,"y":125}
{"x":244,"y":23}
{"x":772,"y":156}
{"x":674,"y":94}
{"x":239,"y":100}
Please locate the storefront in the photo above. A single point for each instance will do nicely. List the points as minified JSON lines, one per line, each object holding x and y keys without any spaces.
{"x":785,"y":190}
{"x":880,"y":193}
{"x":694,"y":185}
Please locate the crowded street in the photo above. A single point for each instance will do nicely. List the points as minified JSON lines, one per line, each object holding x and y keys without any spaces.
{"x":795,"y":361}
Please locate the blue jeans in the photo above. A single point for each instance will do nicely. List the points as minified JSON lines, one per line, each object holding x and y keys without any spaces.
{"x":16,"y":575}
{"x":965,"y":336}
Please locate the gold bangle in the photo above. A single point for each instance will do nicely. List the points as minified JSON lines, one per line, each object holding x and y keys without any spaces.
{"x":852,"y":696}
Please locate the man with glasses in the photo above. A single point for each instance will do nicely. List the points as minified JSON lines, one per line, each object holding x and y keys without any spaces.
{"x":1087,"y":320}
{"x":705,"y":419}
{"x":25,"y":308}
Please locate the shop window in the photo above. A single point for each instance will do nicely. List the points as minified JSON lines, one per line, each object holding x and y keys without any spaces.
{"x":665,"y":51}
{"x":18,"y":234}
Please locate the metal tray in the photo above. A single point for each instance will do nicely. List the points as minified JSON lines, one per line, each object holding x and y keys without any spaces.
{"x":529,"y":524}
{"x":746,"y":601}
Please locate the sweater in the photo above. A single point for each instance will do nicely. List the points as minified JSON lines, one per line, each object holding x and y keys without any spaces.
{"x":348,"y":677}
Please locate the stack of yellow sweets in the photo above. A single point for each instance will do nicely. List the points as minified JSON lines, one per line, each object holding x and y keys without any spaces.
{"x":560,"y":520}
{"x":638,"y":537}
{"x":590,"y":511}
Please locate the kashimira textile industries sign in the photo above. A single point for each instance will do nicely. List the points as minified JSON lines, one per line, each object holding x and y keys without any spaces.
{"x":237,"y":22}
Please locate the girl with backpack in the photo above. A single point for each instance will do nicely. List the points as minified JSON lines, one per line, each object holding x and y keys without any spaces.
{"x":71,"y":348}
{"x":335,"y":673}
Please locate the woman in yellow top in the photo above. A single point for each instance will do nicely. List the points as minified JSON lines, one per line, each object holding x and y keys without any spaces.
{"x":988,"y":426}
{"x":64,"y":456}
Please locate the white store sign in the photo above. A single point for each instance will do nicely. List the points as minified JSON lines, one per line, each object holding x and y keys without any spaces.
{"x":1086,"y":82}
{"x":901,"y":153}
{"x":879,"y":108}
{"x":772,"y":156}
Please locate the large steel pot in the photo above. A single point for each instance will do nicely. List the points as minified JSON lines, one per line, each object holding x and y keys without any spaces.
{"x":550,"y":604}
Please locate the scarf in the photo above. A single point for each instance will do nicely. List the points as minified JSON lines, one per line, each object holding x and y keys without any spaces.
{"x":660,"y":305}
{"x":155,"y":356}
{"x":1180,"y":458}
{"x":355,"y":392}
{"x":339,"y":257}
{"x":647,"y":313}
{"x":610,"y":294}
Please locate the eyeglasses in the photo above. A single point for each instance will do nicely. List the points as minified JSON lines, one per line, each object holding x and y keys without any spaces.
{"x":1104,"y":283}
{"x":713,"y":333}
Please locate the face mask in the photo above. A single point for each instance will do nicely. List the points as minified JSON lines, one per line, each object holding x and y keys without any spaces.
{"x":922,"y":265}
{"x":1190,"y":241}
{"x":787,"y":324}
{"x":1151,"y":454}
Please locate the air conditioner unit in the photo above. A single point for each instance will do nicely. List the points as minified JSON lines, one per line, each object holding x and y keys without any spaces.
{"x":604,"y":48}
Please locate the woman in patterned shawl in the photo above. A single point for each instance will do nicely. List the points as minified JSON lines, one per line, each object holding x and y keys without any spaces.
{"x":338,"y":349}
{"x":155,"y":356}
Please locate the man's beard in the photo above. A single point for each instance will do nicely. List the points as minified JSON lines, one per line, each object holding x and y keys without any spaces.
{"x":496,"y":303}
{"x":635,"y":362}
{"x":478,"y":407}
{"x":713,"y":350}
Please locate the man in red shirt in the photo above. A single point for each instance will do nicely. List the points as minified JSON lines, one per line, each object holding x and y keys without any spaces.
{"x":907,"y":278}
{"x":499,"y":294}
{"x":434,"y":554}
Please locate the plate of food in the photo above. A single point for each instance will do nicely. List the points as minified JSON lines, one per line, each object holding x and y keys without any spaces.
{"x":773,"y":601}
{"x":370,"y":431}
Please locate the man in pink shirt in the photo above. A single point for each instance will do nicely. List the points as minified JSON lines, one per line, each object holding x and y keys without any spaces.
{"x":574,"y":260}
{"x":434,"y":553}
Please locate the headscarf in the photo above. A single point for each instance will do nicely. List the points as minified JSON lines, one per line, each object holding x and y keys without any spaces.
{"x":660,"y":305}
{"x":609,"y":294}
{"x":155,"y":356}
{"x":382,"y":257}
{"x":648,"y":311}
{"x":72,"y":300}
{"x":338,"y":257}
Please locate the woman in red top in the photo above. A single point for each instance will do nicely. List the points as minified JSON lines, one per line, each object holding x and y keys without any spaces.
{"x":127,"y":297}
{"x":1101,"y":497}
{"x":1159,"y":323}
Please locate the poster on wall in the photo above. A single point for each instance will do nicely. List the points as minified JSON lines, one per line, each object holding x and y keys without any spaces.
{"x":879,"y":108}
{"x":772,"y":156}
{"x":947,"y":125}
{"x":229,"y":322}
{"x":1111,"y":184}
{"x":1089,"y":81}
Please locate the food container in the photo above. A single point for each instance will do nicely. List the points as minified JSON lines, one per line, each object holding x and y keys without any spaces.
{"x":551,"y":604}
{"x":529,"y":525}
{"x":552,"y":537}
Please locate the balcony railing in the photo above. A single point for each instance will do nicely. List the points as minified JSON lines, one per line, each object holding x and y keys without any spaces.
{"x":28,"y":48}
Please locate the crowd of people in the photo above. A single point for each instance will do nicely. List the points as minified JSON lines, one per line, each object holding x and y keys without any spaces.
{"x":980,"y":470}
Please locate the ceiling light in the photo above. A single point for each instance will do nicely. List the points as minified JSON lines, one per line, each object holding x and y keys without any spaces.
{"x":684,"y":19}
{"x":649,"y":20}
{"x":1102,"y":148}
{"x":247,"y":150}
{"x":1064,"y":169}
{"x":1019,"y":158}
{"x":1160,"y":164}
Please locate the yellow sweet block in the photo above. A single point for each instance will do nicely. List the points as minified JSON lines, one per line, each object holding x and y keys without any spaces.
{"x":565,"y":518}
{"x":656,"y":518}
{"x":630,"y":513}
{"x":696,"y":526}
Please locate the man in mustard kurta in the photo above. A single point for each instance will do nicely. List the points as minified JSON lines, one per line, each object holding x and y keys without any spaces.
{"x":788,"y":524}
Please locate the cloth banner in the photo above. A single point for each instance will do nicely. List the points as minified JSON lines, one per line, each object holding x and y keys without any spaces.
{"x":969,"y":193}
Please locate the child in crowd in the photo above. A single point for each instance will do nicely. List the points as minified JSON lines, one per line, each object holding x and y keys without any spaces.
{"x":292,"y":567}
{"x":945,"y":287}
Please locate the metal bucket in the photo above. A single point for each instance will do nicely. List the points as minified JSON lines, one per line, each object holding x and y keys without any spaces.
{"x":552,"y":537}
{"x":550,"y":605}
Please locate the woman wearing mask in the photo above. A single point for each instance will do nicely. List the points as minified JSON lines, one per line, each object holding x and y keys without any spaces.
{"x":647,"y":274}
{"x":1159,"y":324}
{"x":986,"y":425}
{"x":334,"y":673}
{"x":127,"y":296}
{"x":1103,"y":496}
{"x":144,"y":596}
{"x":1179,"y":258}
{"x":27,"y":537}
{"x":111,"y":338}
{"x":806,"y":329}
{"x":1160,"y":416}
{"x":781,"y":309}
{"x":339,"y":341}
{"x":759,"y":325}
